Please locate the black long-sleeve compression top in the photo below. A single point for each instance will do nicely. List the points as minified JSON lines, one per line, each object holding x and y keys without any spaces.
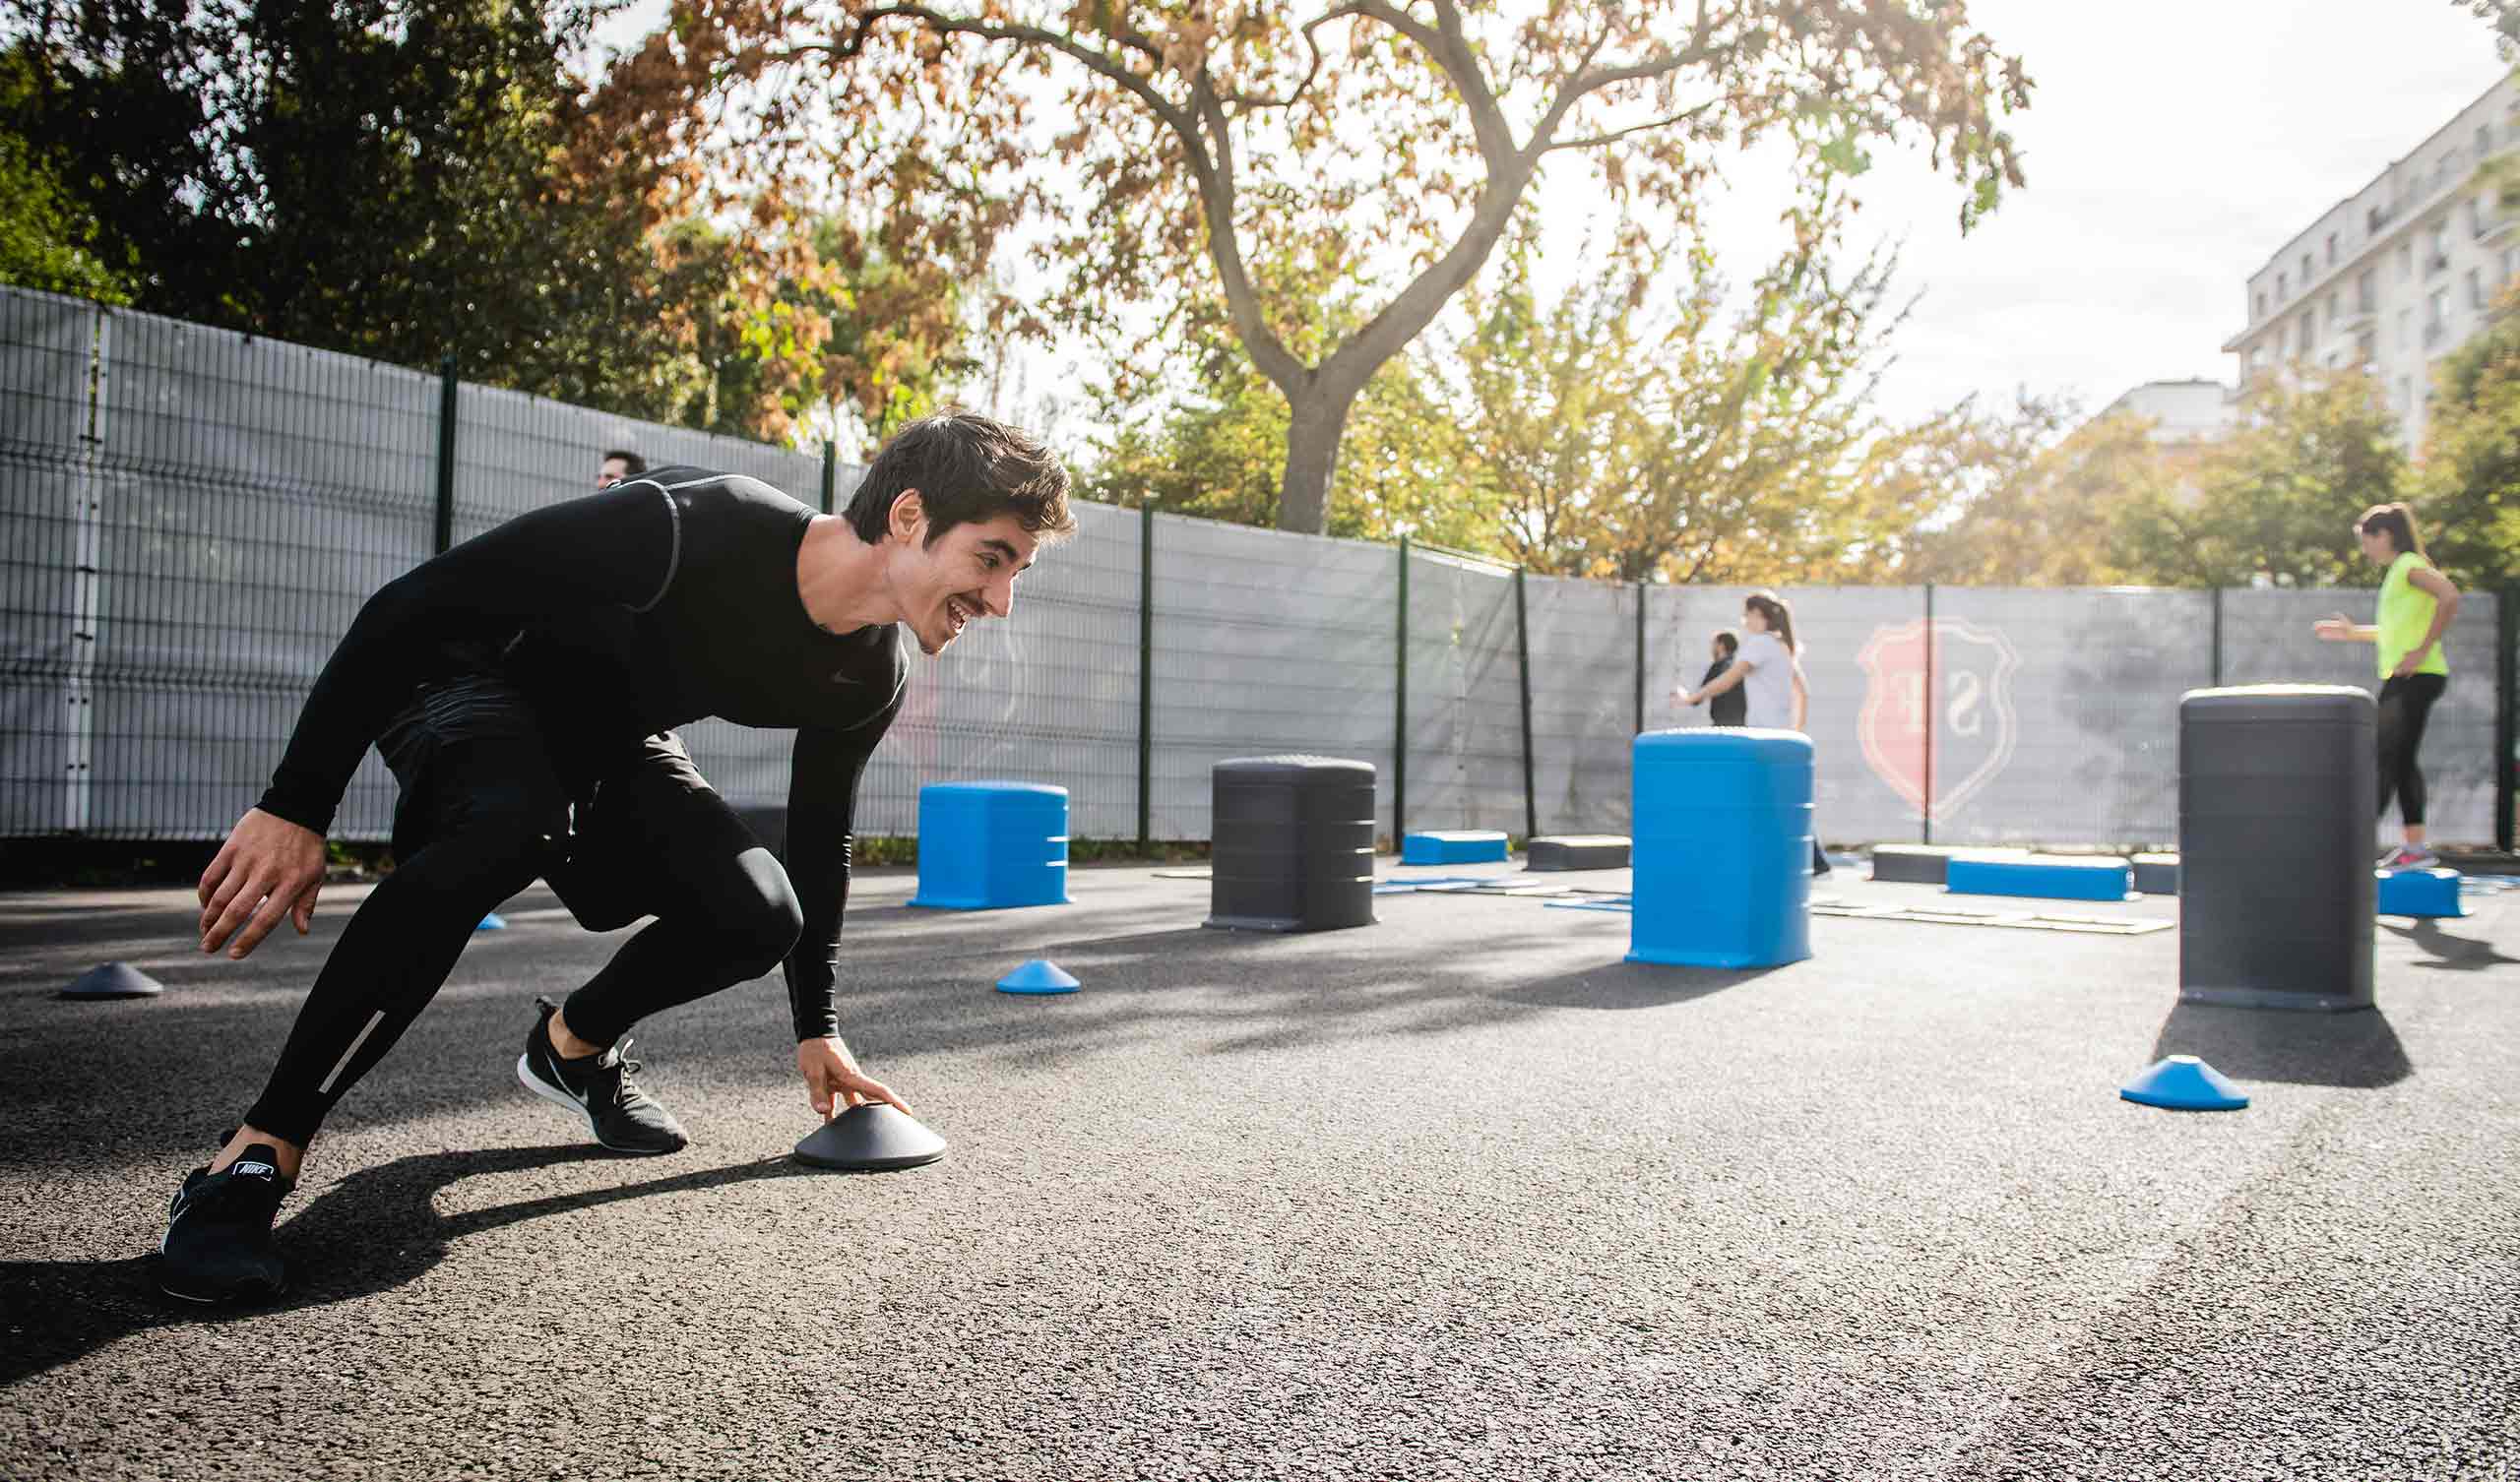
{"x":659,"y":601}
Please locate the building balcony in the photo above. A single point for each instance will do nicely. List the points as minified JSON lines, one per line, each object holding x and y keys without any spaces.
{"x":2435,"y":332}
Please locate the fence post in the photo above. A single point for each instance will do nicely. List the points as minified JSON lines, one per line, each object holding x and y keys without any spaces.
{"x":2506,"y":652}
{"x":87,"y":582}
{"x":1523,"y":652}
{"x":1399,"y":713}
{"x":1927,"y":811}
{"x":831,"y":475}
{"x":2218,"y":638}
{"x":446,"y":398}
{"x":1640,"y":657}
{"x":1146,"y":674}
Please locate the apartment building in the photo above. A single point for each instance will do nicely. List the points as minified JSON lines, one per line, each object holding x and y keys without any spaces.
{"x":2397,"y":275}
{"x":2182,"y":412}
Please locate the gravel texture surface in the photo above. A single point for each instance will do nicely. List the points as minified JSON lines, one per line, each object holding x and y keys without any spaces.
{"x":1458,"y":1195}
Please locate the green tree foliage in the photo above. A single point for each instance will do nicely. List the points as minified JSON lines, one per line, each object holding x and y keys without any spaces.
{"x":48,"y":237}
{"x":1705,"y":439}
{"x":2103,"y":502}
{"x":1217,"y":453}
{"x":409,"y":179}
{"x":386,"y":178}
{"x":1376,"y":151}
{"x":2468,"y":490}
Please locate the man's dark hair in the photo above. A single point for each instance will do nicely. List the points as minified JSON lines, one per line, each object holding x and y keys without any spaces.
{"x":1730,"y":641}
{"x":632,"y":464}
{"x":965,"y":467}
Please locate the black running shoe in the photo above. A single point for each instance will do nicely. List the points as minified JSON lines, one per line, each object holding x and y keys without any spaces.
{"x":620,"y":1115}
{"x":217,"y":1246}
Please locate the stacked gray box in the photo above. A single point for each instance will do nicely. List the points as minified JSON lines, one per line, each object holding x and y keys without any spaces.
{"x":1294,"y":844}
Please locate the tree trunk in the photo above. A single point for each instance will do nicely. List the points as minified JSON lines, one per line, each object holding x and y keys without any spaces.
{"x":1318,"y":420}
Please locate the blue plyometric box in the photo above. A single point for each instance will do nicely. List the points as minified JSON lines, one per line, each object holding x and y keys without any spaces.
{"x":2419,"y":892}
{"x":2046,"y":876}
{"x":1452,"y":847}
{"x":1721,"y":823}
{"x":991,"y":845}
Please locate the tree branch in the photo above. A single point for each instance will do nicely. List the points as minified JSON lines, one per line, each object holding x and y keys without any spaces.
{"x":1215,"y":187}
{"x":1451,"y":52}
{"x":1595,"y":141}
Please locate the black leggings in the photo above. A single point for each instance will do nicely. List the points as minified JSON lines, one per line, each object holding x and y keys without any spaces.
{"x":2405,"y":705}
{"x":484,"y":812}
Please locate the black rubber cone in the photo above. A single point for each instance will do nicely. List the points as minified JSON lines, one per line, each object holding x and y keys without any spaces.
{"x":875,"y":1137}
{"x":114,"y":980}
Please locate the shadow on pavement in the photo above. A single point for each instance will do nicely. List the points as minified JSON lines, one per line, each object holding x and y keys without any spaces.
{"x":2458,"y":953}
{"x":2358,"y":1049}
{"x":1629,"y":985}
{"x":373,"y":1231}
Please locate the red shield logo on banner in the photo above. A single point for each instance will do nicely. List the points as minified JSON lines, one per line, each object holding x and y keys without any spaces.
{"x":1936,"y":752}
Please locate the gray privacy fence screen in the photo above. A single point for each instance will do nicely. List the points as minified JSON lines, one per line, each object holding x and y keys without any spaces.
{"x":194,"y":517}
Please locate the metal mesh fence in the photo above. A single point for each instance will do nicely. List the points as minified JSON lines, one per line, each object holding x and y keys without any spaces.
{"x":194,"y":517}
{"x":1265,"y":642}
{"x":2267,"y":640}
{"x":1583,"y":650}
{"x":47,"y":355}
{"x":1465,"y":696}
{"x":1050,"y":697}
{"x":2058,"y":711}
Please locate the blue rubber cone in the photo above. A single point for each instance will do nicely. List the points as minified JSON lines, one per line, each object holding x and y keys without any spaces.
{"x":492,"y":922}
{"x":114,"y":980}
{"x":2183,"y":1083}
{"x":1039,"y":975}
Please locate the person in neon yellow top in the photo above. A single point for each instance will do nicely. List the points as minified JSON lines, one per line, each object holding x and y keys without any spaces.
{"x":2417,"y":604}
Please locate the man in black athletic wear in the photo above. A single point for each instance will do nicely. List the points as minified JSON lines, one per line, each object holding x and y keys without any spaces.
{"x":524,"y":686}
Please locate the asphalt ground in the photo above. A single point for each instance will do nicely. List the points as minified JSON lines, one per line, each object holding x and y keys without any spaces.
{"x":1460,"y":1195}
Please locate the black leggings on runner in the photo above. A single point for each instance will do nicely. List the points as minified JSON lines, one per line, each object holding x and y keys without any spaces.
{"x":2405,"y":705}
{"x":481,"y":815}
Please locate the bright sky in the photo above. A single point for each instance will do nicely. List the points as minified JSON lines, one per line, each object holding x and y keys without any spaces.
{"x":2171,"y":146}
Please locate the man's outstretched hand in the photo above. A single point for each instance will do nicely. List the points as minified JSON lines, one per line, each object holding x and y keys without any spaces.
{"x":268,"y":869}
{"x":833,"y":1080}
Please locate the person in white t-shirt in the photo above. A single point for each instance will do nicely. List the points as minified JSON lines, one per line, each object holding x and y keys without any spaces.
{"x":1769,"y":673}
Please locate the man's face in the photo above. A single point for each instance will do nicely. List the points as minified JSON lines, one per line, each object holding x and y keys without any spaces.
{"x":613,"y":471}
{"x":969,"y":573}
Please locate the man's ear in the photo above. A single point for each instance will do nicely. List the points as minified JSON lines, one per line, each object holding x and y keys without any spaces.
{"x":908,"y":517}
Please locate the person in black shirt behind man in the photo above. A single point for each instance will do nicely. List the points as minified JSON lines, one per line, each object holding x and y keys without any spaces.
{"x":524,"y":686}
{"x":1731,"y":707}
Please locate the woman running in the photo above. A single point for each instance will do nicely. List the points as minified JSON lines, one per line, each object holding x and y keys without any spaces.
{"x":1768,"y":669}
{"x":2417,"y":604}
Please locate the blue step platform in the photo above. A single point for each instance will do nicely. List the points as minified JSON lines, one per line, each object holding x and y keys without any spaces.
{"x":2049,"y":877}
{"x":1721,"y":825}
{"x":2419,"y":892}
{"x":986,"y":847}
{"x":1452,"y":847}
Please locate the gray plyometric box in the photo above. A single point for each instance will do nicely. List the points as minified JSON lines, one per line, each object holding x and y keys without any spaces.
{"x":2157,"y":874}
{"x":1909,"y":864}
{"x":1577,"y":852}
{"x":1293,"y":844}
{"x":2276,"y":793}
{"x":1930,"y":864}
